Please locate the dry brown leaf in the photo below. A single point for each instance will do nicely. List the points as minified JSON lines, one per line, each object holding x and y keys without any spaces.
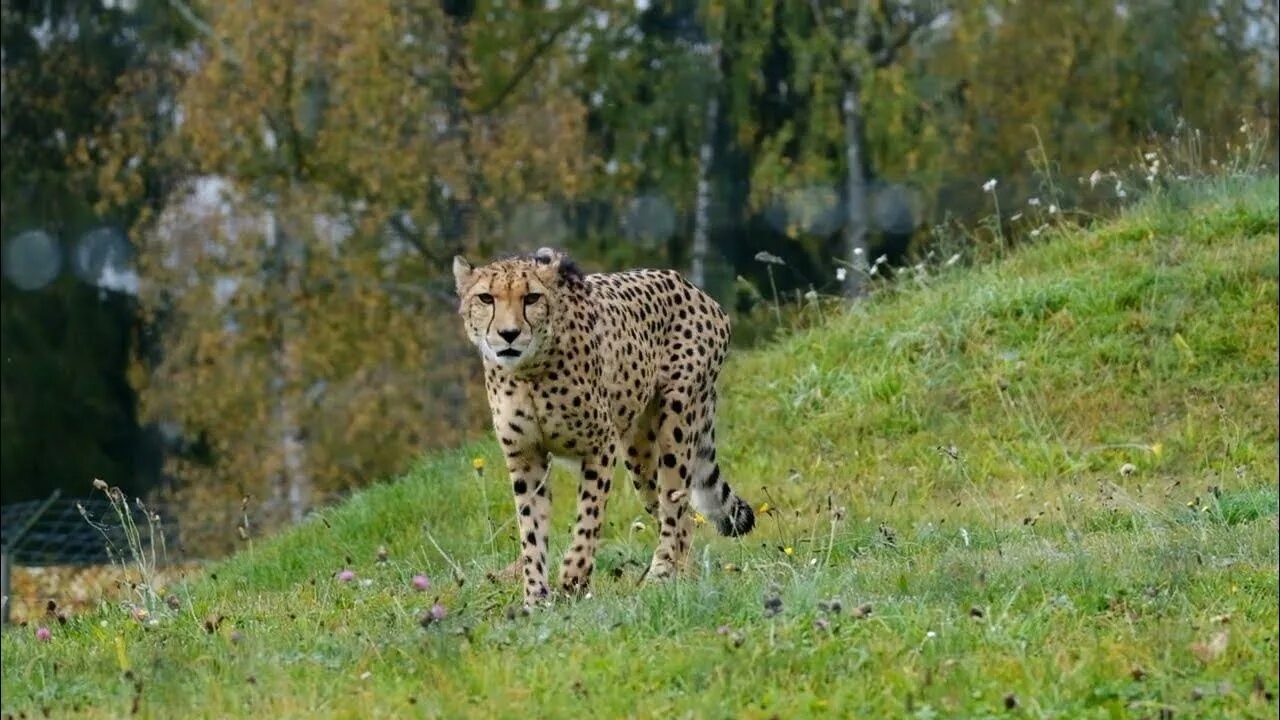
{"x":1209,"y":651}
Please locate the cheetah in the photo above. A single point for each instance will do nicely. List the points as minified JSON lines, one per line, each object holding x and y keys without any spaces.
{"x":587,"y":368}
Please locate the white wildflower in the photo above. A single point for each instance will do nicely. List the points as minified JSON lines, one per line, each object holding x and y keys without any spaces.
{"x":1095,"y":178}
{"x":1015,"y":217}
{"x":1120,"y":193}
{"x":1053,"y":209}
{"x":953,"y":259}
{"x":858,"y":251}
{"x":882,"y":259}
{"x":989,"y":186}
{"x":1033,"y":202}
{"x":1149,"y":156}
{"x":841,"y":274}
{"x":811,"y":296}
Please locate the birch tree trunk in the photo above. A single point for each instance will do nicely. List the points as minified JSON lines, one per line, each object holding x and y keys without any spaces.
{"x":702,"y":204}
{"x":855,"y":226}
{"x":292,"y":486}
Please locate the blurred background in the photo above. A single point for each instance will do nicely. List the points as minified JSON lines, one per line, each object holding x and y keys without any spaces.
{"x":227,"y":226}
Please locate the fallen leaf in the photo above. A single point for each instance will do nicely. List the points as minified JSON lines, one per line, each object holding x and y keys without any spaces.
{"x":1207,"y":652}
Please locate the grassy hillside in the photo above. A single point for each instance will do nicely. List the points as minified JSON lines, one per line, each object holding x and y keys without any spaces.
{"x":949,"y":532}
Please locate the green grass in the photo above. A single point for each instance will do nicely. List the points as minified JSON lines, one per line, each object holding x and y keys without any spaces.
{"x":947,"y":455}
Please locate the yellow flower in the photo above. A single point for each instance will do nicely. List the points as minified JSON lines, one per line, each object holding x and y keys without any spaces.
{"x":1157,"y":449}
{"x":764,"y":509}
{"x":478,"y":464}
{"x":789,"y":550}
{"x":699,"y":519}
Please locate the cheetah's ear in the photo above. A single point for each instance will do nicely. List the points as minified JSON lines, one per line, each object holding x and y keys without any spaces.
{"x":547,"y":262}
{"x":462,"y":271}
{"x":545,"y":255}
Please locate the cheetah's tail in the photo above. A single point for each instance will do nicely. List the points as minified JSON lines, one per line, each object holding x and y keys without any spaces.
{"x":714,"y":498}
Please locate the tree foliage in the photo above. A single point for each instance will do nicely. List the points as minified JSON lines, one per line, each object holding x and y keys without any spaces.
{"x":67,"y":413}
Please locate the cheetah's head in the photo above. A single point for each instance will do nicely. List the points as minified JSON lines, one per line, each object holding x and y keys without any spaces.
{"x":509,"y":306}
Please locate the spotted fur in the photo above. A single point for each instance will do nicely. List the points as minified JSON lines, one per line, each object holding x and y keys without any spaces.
{"x":592,"y":368}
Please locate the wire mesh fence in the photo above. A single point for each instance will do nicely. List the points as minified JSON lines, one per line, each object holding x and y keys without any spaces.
{"x":83,"y":531}
{"x":51,"y":546}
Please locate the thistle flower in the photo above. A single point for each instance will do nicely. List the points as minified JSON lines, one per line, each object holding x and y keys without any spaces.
{"x":421,"y":583}
{"x":345,"y":576}
{"x":43,"y":634}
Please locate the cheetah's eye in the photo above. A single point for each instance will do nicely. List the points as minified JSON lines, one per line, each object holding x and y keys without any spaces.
{"x":532,"y":298}
{"x":485,"y":298}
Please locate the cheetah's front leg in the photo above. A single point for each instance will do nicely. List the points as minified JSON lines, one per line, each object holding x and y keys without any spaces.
{"x":593,"y":494}
{"x":533,"y":509}
{"x":675,"y":521}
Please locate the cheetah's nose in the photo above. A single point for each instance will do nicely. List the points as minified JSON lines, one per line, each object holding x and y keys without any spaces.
{"x":509,"y":335}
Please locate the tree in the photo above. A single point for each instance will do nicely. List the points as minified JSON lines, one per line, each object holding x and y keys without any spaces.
{"x":326,"y":158}
{"x":67,"y":318}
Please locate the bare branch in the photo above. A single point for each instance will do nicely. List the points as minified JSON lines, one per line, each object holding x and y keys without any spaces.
{"x":913,"y":19}
{"x":526,"y":65}
{"x":398,"y":225}
{"x":193,"y":19}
